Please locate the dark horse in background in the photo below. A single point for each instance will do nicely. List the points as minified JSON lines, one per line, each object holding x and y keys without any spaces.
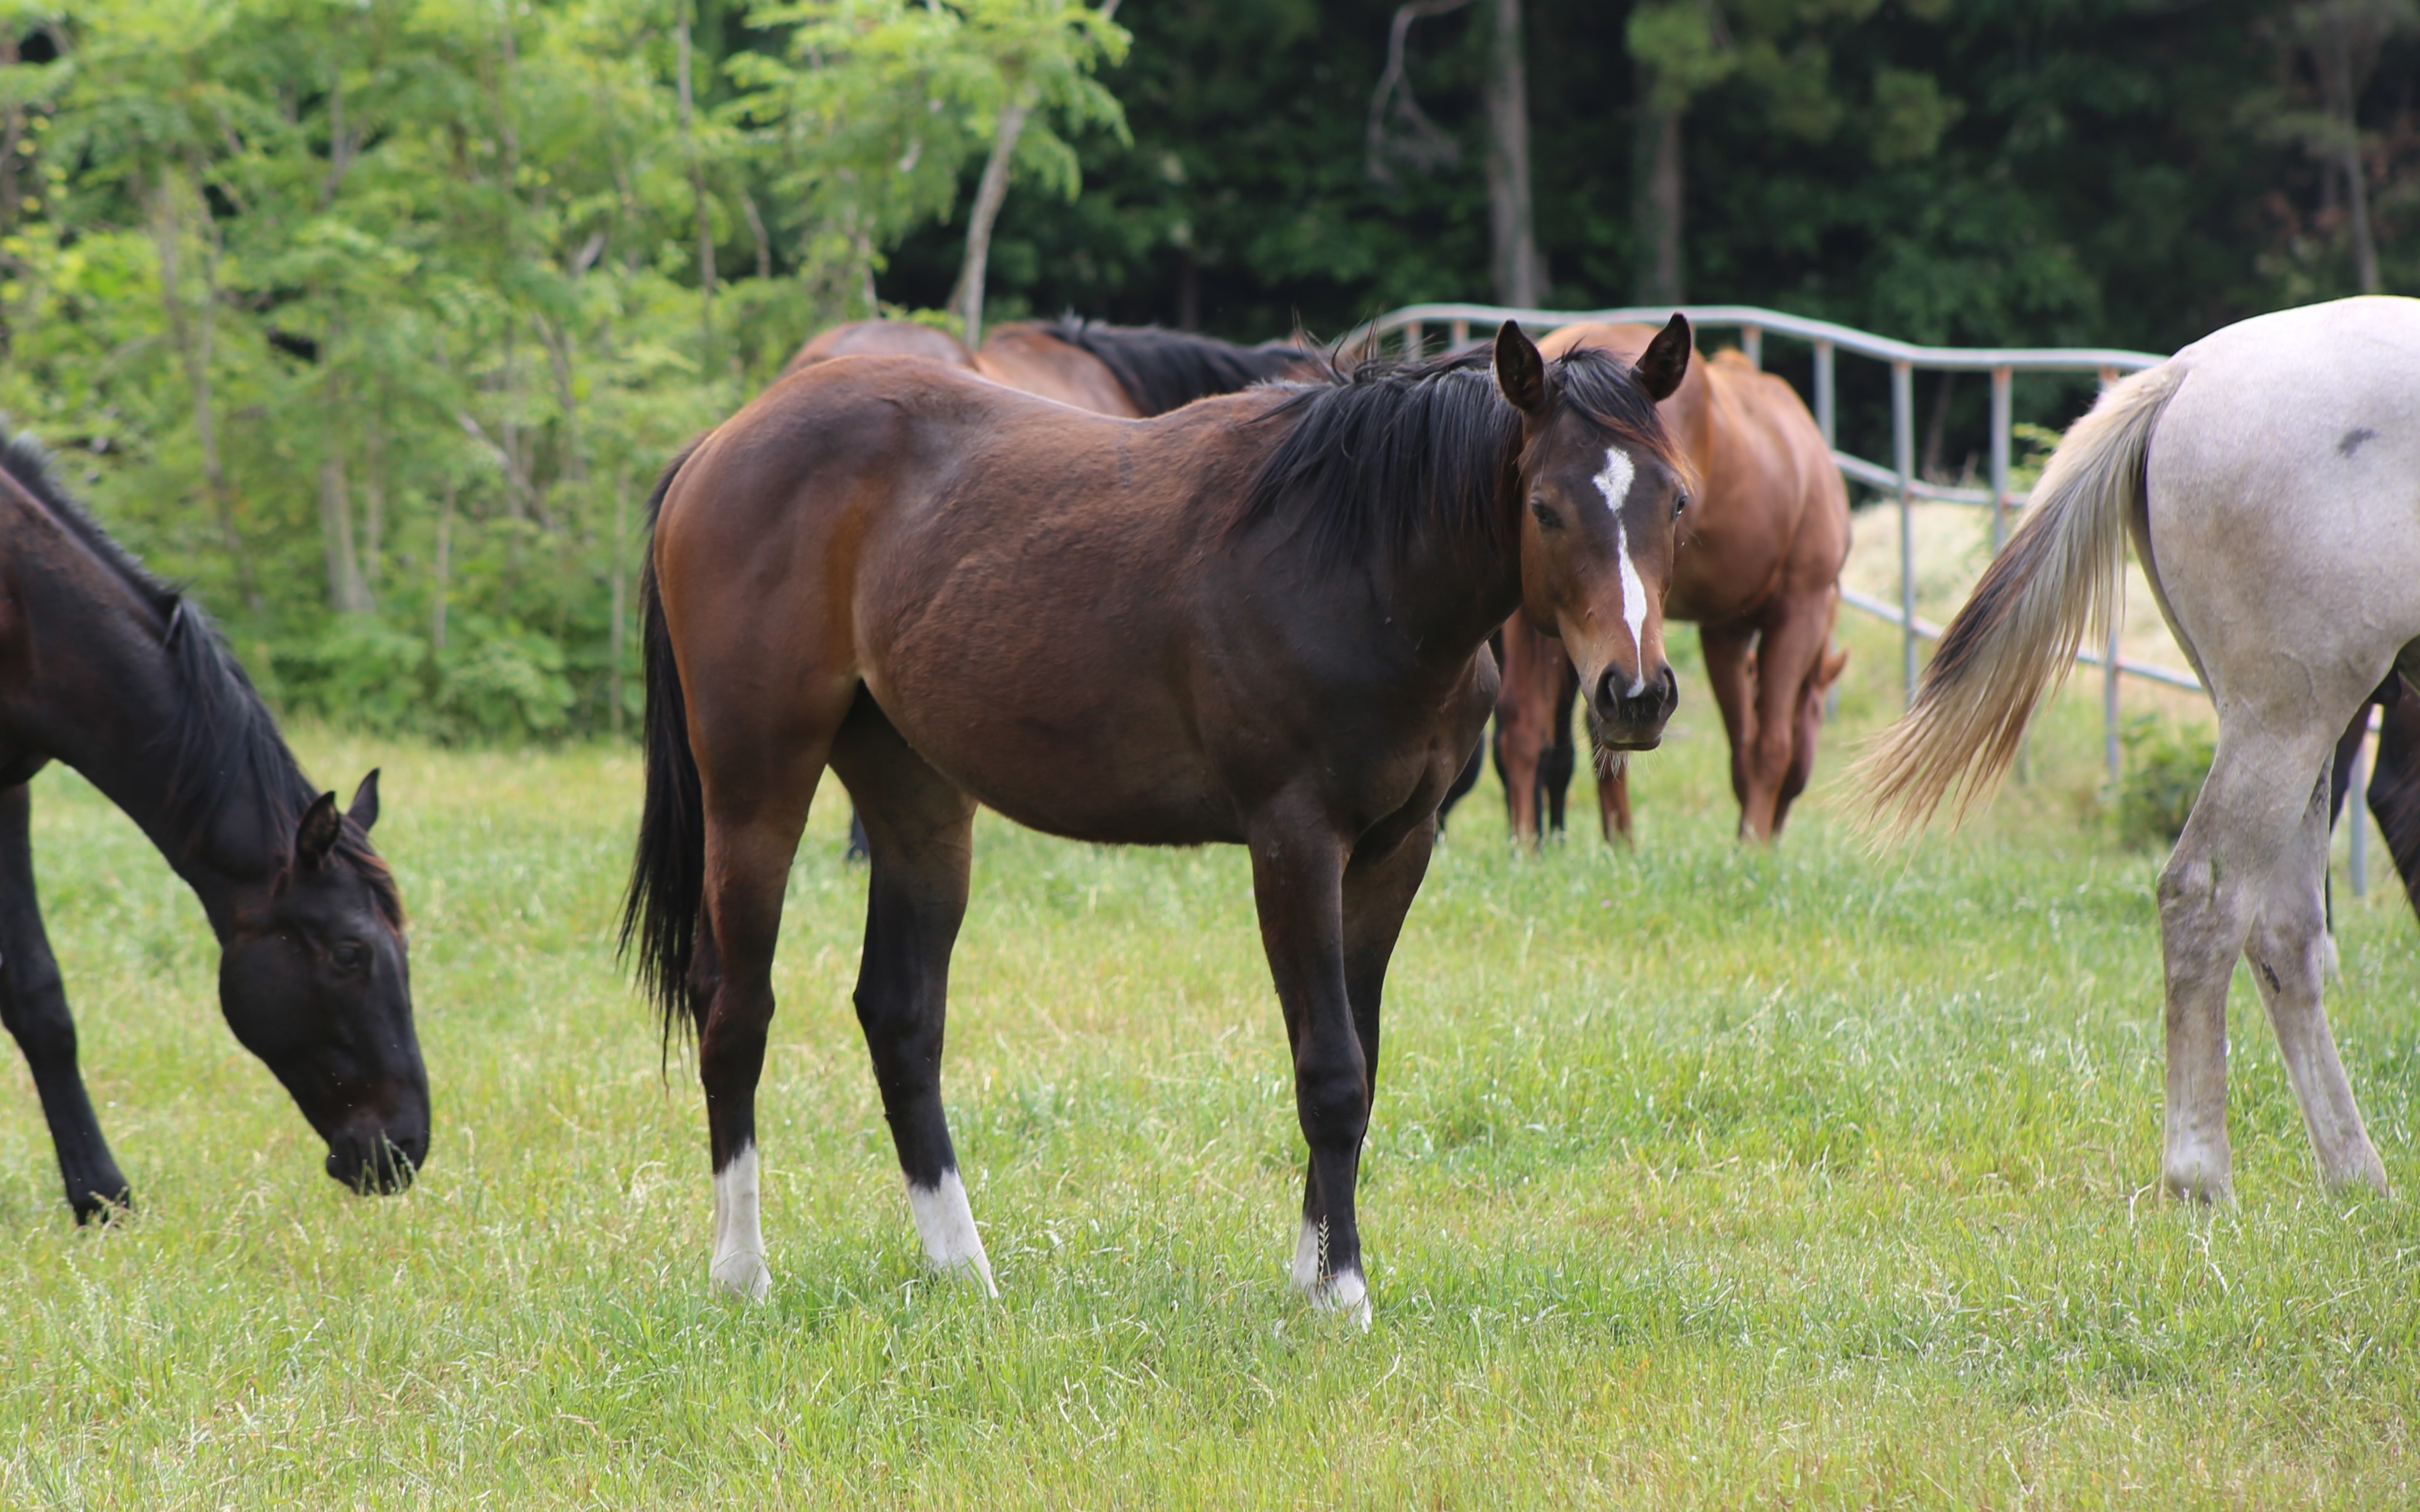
{"x":1130,"y":371}
{"x":123,"y":679}
{"x":2394,"y":791}
{"x":1259,"y":620}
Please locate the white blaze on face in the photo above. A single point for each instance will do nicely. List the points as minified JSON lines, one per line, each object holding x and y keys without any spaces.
{"x":738,"y":1265}
{"x":947,"y":1226}
{"x":1614,"y":483}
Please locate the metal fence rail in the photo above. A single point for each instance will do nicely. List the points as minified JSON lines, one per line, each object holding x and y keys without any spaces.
{"x":1411,"y":324}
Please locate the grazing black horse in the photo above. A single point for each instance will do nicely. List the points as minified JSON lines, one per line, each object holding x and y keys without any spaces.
{"x":104,"y":668}
{"x":2394,"y":791}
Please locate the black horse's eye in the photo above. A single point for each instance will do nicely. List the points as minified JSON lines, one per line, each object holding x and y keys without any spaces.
{"x":1546,"y":513}
{"x":350,"y":956}
{"x":1681,"y":504}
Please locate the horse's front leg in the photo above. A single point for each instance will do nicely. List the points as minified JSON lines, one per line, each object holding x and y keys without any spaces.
{"x":1299,"y":864}
{"x":35,"y":1008}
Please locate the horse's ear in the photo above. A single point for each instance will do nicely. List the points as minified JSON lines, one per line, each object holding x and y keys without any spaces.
{"x":365,"y":810}
{"x":1520,"y":372}
{"x":1666,"y":362}
{"x":315,"y":836}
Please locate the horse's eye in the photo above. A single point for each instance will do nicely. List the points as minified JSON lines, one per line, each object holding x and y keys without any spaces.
{"x":1546,"y":513}
{"x":350,"y":956}
{"x":1681,"y":504}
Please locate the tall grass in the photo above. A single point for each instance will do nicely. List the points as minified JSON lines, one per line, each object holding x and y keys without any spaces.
{"x":1700,"y":1177}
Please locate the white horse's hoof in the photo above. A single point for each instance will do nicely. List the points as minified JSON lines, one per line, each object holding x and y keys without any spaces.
{"x":742,"y":1275}
{"x":1344,"y":1294}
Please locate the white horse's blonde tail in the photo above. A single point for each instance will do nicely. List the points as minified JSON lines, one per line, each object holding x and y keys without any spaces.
{"x":2058,"y":576}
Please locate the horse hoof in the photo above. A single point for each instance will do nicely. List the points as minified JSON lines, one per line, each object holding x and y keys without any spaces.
{"x":742,"y":1275}
{"x":2215,"y":1189}
{"x":1344,"y":1294}
{"x":973,"y":1271}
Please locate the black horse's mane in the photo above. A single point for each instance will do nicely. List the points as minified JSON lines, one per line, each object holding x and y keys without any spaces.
{"x":1164,"y":370}
{"x":1376,"y":460}
{"x":226,"y":743}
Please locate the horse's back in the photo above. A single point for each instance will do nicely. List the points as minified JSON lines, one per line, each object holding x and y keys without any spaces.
{"x":2282,"y":489}
{"x":1030,"y":359}
{"x":881,"y":338}
{"x":1010,"y":577}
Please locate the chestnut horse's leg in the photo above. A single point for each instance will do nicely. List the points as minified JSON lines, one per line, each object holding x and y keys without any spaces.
{"x":1562,"y":755}
{"x":1534,"y":671}
{"x":1613,"y":798}
{"x":1789,"y":663}
{"x":919,"y":835}
{"x":1298,"y":865}
{"x":36,"y":1010}
{"x":1730,"y":677}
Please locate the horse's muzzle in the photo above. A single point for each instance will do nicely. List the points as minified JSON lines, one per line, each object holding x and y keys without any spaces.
{"x":381,"y":1161}
{"x":1619,"y":720}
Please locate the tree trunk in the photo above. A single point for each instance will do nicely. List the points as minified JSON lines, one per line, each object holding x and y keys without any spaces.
{"x":347,"y":594}
{"x":1655,"y":197}
{"x":440,"y":569}
{"x":2342,"y":89}
{"x":1512,"y":221}
{"x":196,"y":340}
{"x":966,"y":300}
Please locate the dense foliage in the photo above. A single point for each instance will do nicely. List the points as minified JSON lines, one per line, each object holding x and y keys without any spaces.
{"x":375,"y":319}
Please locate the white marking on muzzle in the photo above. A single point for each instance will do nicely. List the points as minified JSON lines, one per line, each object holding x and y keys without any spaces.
{"x":1614,"y":483}
{"x":738,"y":1265}
{"x":947,"y":1226}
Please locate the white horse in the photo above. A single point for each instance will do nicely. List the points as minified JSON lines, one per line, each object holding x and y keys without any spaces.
{"x":2269,"y":478}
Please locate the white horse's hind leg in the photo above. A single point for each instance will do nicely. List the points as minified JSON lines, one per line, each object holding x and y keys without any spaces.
{"x":2214,"y":885}
{"x":2288,"y":952}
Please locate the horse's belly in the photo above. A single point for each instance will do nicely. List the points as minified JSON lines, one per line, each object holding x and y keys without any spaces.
{"x":1130,"y":774}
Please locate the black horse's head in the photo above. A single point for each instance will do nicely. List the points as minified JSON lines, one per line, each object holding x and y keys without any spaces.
{"x":315,"y":981}
{"x":1604,"y":490}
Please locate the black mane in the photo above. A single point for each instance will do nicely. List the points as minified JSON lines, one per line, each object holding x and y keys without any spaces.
{"x":226,"y":745}
{"x":1164,"y":370}
{"x":1381,"y":458}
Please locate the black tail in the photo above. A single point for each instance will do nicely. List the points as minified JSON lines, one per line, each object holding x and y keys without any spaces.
{"x":664,"y":909}
{"x":1165,"y":370}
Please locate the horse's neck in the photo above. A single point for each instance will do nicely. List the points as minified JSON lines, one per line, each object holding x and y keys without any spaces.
{"x":1453,"y":594}
{"x":106,"y":701}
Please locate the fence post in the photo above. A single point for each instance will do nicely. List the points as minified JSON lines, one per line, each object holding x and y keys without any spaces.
{"x":1903,"y":461}
{"x":1411,"y":341}
{"x":1752,"y":345}
{"x":2116,"y":621}
{"x":1458,"y":333}
{"x":2002,"y":421}
{"x":1826,"y":400}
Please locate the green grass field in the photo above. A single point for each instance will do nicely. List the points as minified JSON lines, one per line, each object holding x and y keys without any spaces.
{"x":1699,"y":1177}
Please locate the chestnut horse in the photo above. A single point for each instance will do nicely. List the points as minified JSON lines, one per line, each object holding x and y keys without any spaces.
{"x":1130,"y":371}
{"x":1762,"y":543}
{"x":1259,"y":620}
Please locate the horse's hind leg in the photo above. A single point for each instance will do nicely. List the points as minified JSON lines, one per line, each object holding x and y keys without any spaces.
{"x":2218,"y":881}
{"x":758,"y":768}
{"x":36,"y":1010}
{"x":2288,"y":954}
{"x":920,"y":834}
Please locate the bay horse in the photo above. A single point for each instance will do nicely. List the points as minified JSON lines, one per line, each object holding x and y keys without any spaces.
{"x":1130,"y":371}
{"x":2265,"y":476}
{"x":1258,"y":620}
{"x":1762,"y":543}
{"x":104,"y":668}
